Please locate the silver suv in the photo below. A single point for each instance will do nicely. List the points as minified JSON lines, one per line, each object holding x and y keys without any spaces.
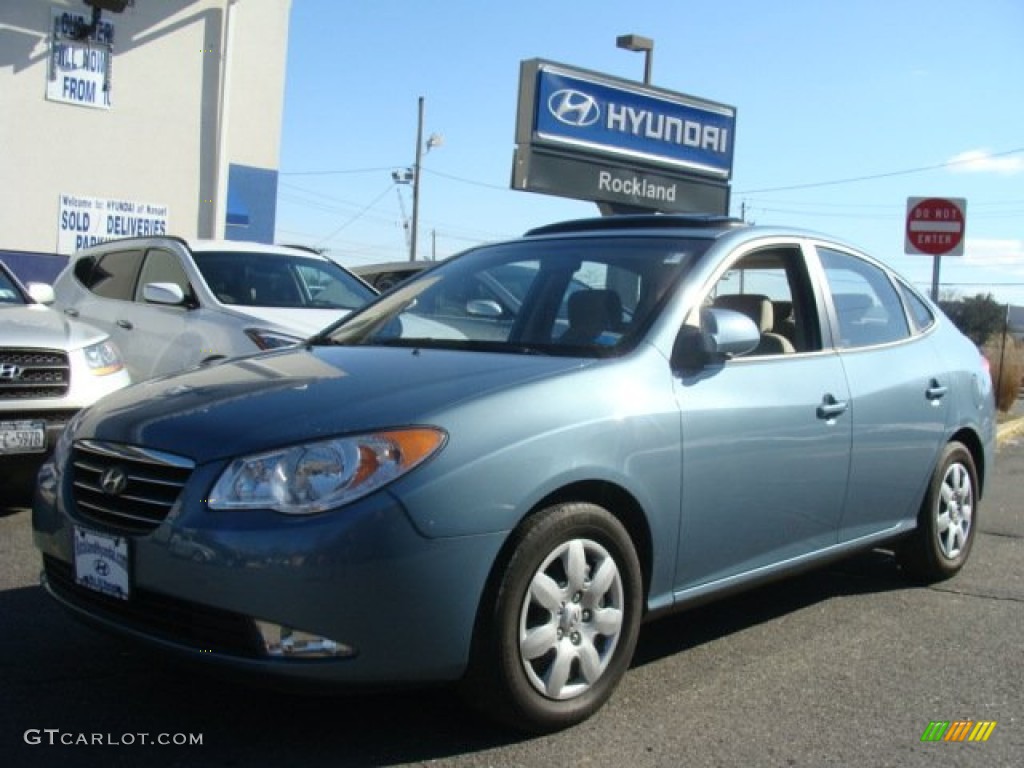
{"x":50,"y":367}
{"x":171,"y":303}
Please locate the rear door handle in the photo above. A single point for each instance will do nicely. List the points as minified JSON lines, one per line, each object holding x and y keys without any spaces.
{"x":126,"y":324}
{"x":71,"y":312}
{"x":830,"y":408}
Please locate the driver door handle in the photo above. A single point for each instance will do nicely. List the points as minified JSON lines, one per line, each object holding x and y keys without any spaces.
{"x":126,"y":324}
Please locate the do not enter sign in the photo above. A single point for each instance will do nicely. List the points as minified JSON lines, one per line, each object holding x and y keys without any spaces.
{"x":935,"y":225}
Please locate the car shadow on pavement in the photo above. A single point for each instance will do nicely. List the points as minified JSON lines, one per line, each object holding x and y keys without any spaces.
{"x":865,"y":573}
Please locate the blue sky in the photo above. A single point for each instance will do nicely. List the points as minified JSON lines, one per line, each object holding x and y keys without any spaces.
{"x":844,"y":110}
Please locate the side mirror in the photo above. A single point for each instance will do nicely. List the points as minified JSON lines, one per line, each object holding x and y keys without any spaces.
{"x":723,"y":334}
{"x":41,"y":292}
{"x":484,"y":308}
{"x":163,"y":293}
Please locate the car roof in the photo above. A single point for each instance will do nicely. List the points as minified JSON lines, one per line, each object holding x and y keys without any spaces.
{"x":204,"y":245}
{"x":711,"y":223}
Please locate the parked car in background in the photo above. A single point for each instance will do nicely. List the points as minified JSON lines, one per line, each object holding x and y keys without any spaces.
{"x":445,"y":488}
{"x":171,"y":303}
{"x":50,"y":367}
{"x":387,"y":275}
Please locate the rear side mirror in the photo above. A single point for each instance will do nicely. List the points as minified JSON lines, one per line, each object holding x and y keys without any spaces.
{"x":723,"y":334}
{"x":163,"y":293}
{"x":41,"y":292}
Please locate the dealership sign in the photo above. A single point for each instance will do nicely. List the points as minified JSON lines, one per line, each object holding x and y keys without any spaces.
{"x":86,"y":221}
{"x":647,"y":147}
{"x":80,"y":60}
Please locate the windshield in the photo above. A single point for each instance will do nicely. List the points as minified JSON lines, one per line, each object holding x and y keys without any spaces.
{"x":10,"y":293}
{"x":280,"y":280}
{"x":588,"y":296}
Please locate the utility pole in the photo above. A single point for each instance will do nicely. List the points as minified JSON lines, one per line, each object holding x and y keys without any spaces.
{"x":416,"y":183}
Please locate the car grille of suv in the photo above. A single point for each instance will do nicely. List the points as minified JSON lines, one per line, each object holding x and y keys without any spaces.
{"x":33,"y":373}
{"x":158,"y":615}
{"x":125,"y":488}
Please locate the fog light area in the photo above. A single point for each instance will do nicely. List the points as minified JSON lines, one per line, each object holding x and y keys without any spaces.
{"x":285,"y":642}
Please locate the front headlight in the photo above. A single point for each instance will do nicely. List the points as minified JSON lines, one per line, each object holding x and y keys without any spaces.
{"x":103,"y":358}
{"x":313,"y":477}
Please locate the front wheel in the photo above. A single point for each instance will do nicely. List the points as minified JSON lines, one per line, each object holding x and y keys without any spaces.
{"x":561,"y":627}
{"x":948,"y":519}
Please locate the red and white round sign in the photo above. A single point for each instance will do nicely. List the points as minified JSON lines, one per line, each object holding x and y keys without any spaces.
{"x":935,"y":225}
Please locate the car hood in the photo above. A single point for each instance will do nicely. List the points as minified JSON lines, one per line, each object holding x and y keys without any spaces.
{"x":304,"y":322}
{"x":256,"y":403}
{"x":37,"y":325}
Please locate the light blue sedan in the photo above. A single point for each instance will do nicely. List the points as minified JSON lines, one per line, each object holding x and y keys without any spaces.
{"x":494,"y":484}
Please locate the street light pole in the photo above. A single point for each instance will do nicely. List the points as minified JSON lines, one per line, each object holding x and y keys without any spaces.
{"x":416,"y":184}
{"x":639,"y":43}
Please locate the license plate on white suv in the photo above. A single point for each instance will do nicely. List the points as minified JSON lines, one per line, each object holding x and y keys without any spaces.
{"x":22,"y":436}
{"x":101,"y":563}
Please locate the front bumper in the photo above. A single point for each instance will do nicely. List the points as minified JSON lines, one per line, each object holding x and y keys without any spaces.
{"x":363,"y":576}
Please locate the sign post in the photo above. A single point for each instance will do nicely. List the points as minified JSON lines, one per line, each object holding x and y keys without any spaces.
{"x":935,"y":227}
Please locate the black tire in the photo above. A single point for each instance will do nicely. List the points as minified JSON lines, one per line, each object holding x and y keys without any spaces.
{"x":579,"y":650}
{"x":947,"y":521}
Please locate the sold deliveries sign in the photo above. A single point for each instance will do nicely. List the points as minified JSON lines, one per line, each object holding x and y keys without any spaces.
{"x":86,"y":221}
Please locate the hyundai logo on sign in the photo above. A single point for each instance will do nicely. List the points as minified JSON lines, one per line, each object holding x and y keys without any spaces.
{"x":574,"y":108}
{"x":640,"y":123}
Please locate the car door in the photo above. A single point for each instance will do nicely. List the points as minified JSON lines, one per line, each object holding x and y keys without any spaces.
{"x":165,"y":337}
{"x":766,"y":436}
{"x":109,"y":282}
{"x":898,"y":391}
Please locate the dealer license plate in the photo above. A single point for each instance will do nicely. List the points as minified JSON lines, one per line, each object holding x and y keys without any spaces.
{"x":101,"y":563}
{"x":22,"y":436}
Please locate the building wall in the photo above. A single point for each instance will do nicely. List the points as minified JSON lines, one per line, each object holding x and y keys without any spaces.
{"x":158,"y":141}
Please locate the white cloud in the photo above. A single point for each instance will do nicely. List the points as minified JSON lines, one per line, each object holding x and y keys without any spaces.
{"x":983,"y":161}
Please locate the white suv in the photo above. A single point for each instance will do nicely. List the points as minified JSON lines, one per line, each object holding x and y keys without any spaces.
{"x":171,"y":303}
{"x":50,"y":367}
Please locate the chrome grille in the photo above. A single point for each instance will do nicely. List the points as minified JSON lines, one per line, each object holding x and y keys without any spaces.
{"x":33,"y":373}
{"x":126,"y":488}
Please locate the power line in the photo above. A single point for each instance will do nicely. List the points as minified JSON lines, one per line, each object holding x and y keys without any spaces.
{"x":905,"y":172}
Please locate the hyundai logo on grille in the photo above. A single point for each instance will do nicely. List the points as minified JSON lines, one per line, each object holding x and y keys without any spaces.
{"x":574,"y":108}
{"x":113,"y":481}
{"x":10,"y":371}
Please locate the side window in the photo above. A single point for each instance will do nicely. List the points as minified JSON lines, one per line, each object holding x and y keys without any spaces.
{"x":920,"y":312}
{"x":162,"y":267}
{"x":771,"y":286}
{"x":114,"y":275}
{"x":83,"y":270}
{"x":868,"y":308}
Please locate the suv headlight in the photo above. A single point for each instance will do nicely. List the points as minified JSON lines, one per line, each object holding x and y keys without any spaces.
{"x":103,"y":358}
{"x":313,"y":477}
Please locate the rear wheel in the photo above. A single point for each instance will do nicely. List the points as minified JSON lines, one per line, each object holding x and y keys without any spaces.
{"x":561,"y":626}
{"x":948,"y":518}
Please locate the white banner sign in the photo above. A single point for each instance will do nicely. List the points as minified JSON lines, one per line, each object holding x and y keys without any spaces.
{"x":85,"y":221}
{"x":79,"y":69}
